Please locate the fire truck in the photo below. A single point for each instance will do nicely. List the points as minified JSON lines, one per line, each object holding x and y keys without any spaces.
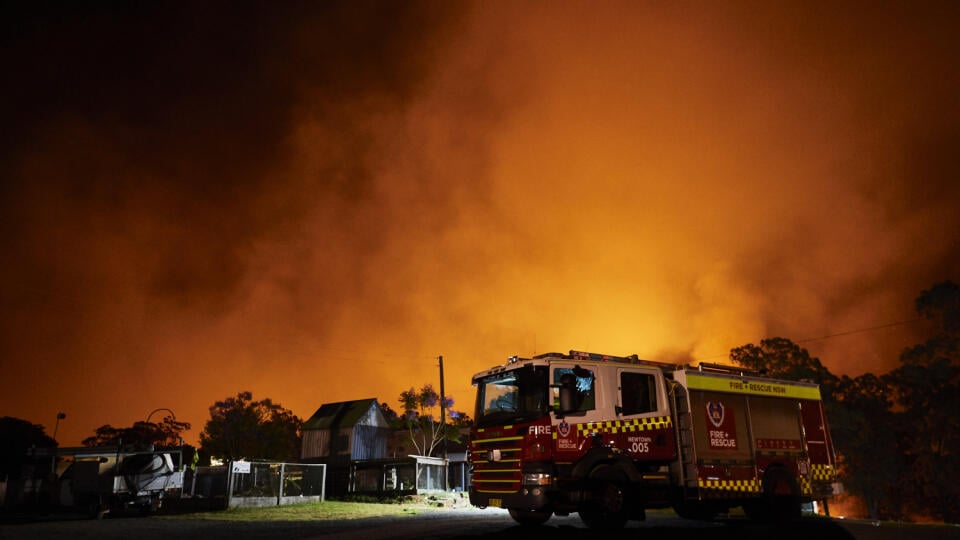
{"x":609,"y":437}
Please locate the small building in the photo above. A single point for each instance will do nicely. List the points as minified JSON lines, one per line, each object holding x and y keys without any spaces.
{"x":339,"y":434}
{"x":458,"y":469}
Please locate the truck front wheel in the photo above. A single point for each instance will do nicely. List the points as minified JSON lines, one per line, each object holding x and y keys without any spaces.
{"x":530,"y":517}
{"x":607,"y":508}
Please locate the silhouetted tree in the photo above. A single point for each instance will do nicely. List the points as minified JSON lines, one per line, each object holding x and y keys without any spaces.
{"x":459,"y":419}
{"x":393,"y":419}
{"x":942,"y":303}
{"x":240,"y":428}
{"x":863,"y":427}
{"x":166,"y":433}
{"x":927,"y":389}
{"x":425,"y":429}
{"x":16,"y":436}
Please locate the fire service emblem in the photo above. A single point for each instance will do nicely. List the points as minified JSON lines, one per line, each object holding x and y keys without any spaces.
{"x":715,"y":413}
{"x":563,"y":428}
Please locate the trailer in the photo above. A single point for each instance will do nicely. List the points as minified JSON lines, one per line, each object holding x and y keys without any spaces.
{"x":98,"y":480}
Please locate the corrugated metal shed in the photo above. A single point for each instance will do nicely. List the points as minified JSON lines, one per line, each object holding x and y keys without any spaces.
{"x":362,"y":412}
{"x":348,"y":430}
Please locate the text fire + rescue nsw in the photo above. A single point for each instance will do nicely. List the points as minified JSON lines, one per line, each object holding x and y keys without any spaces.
{"x":757,"y":387}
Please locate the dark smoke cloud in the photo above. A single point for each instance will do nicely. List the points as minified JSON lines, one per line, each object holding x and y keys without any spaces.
{"x":163,"y":124}
{"x":146,"y":158}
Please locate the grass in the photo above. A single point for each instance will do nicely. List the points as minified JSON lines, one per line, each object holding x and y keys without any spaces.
{"x":327,"y":510}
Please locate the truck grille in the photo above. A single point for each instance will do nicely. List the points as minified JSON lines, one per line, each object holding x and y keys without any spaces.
{"x":496,"y":464}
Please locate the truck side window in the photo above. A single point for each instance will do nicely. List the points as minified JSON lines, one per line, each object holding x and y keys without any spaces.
{"x":584,"y":382}
{"x":638,"y":393}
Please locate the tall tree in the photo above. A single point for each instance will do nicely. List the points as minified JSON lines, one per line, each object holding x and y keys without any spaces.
{"x":241,"y":428}
{"x":927,"y":390}
{"x":864,"y":432}
{"x":942,"y":304}
{"x":166,"y":433}
{"x":419,"y":417}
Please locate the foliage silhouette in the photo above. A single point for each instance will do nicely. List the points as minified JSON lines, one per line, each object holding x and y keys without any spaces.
{"x":241,"y":428}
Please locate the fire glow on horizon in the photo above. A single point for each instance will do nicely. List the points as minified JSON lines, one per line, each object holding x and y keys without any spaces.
{"x":319,"y":201}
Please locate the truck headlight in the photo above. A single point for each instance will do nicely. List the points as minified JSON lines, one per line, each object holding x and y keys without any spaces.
{"x":537,"y":479}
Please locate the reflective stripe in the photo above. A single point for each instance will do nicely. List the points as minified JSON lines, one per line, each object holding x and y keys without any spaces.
{"x":744,"y":486}
{"x":498,"y":439}
{"x":495,"y":480}
{"x":616,"y":426}
{"x":821,"y":472}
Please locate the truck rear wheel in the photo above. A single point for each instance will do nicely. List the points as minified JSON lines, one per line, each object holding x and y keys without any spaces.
{"x":608,"y":507}
{"x":780,"y":500}
{"x":530,"y":517}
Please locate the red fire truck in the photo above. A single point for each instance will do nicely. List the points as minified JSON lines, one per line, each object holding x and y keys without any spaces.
{"x":609,"y":437}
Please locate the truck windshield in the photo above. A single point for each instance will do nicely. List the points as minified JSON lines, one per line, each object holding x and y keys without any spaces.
{"x":520,"y":395}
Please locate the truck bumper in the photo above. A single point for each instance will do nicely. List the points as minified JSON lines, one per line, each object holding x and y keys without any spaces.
{"x":528,"y":498}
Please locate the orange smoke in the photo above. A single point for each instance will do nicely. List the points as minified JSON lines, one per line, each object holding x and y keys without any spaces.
{"x":321,"y":212}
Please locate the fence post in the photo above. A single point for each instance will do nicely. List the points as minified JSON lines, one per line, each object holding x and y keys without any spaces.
{"x":229,"y":482}
{"x":280,"y":491}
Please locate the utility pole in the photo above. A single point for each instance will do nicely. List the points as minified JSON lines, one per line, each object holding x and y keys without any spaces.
{"x":443,"y":424}
{"x":62,"y":416}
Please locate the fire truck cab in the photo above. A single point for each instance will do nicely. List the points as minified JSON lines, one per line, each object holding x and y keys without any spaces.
{"x":609,"y":437}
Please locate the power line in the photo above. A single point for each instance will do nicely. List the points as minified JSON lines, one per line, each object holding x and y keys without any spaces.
{"x":838,"y":334}
{"x":860,"y":330}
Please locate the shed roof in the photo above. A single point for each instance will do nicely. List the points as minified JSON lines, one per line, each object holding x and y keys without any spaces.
{"x":344,"y":414}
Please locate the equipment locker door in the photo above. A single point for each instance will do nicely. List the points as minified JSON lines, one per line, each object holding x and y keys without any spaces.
{"x":815,"y":432}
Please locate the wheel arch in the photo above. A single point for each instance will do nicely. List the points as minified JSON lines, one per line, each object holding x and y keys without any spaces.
{"x":776,"y":477}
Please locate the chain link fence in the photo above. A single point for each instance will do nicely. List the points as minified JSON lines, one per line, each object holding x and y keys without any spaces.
{"x":246,"y":484}
{"x":268,"y":484}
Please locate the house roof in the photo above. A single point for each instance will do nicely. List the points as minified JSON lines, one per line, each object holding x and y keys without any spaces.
{"x":344,"y":414}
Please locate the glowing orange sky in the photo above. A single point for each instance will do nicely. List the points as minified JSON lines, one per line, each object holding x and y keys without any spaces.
{"x":313,"y":206}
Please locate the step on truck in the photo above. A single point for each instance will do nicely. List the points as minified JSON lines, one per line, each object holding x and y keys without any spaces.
{"x":609,"y":437}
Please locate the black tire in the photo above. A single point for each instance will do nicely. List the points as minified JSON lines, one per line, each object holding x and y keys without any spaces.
{"x":780,"y":501}
{"x":94,"y":507}
{"x":609,"y":509}
{"x":530,"y":517}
